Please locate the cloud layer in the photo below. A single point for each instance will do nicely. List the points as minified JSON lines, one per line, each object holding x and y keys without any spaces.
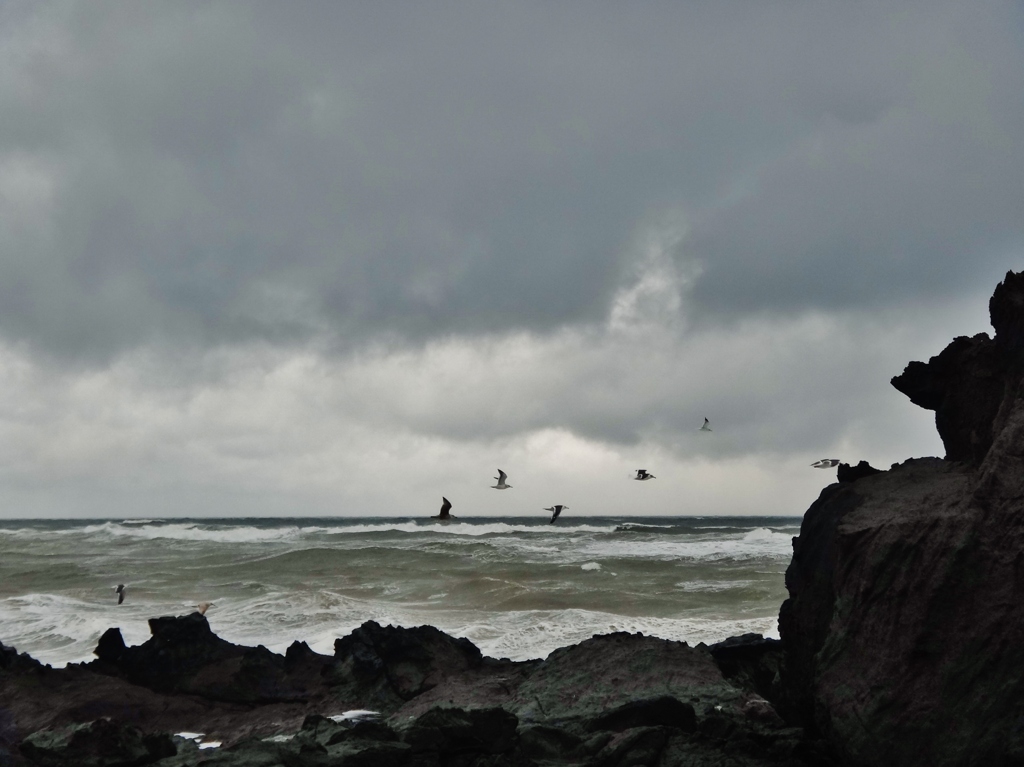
{"x":264,"y":258}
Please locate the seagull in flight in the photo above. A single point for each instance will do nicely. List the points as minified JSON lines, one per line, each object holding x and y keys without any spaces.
{"x":120,"y":592}
{"x":641,"y":474}
{"x":825,"y":463}
{"x":445,"y":509}
{"x":555,"y":511}
{"x":706,"y":426}
{"x":502,"y":476}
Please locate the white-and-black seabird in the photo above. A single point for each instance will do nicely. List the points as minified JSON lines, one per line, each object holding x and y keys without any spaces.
{"x":642,"y":474}
{"x":502,"y":476}
{"x":706,"y":426}
{"x":825,"y":463}
{"x":555,"y":511}
{"x":120,"y":592}
{"x":446,"y":508}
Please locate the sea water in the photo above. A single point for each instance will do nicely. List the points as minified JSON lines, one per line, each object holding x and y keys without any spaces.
{"x":517,"y":588}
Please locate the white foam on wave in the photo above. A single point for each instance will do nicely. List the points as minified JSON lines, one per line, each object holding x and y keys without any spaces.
{"x":714,"y":587}
{"x":58,"y":629}
{"x":195,"y":531}
{"x":637,"y":527}
{"x":536,"y":633}
{"x":590,"y":566}
{"x":757,"y":543}
{"x":317,"y":618}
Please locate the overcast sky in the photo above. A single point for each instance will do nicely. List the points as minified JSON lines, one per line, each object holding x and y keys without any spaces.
{"x":346,"y":258}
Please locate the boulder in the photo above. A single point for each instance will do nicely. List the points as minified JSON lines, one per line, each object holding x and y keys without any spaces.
{"x":453,"y":730}
{"x":410,"y":660}
{"x":578,"y":685}
{"x":185,"y":656}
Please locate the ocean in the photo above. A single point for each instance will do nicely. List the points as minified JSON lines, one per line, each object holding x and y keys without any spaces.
{"x":516,"y":587}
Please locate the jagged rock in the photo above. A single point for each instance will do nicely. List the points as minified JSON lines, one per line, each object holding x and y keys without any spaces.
{"x":184,"y":655}
{"x":13,"y":661}
{"x":111,"y":646}
{"x":457,"y":730}
{"x":583,"y":682}
{"x":848,"y":473}
{"x":412,"y":660}
{"x":752,"y":662}
{"x":102,"y":743}
{"x":903,"y":626}
{"x":969,"y":384}
{"x":663,"y":711}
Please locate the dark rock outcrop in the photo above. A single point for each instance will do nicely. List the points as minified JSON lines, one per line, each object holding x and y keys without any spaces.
{"x":12,"y":661}
{"x":408,"y":661}
{"x":903,"y":629}
{"x":185,"y":656}
{"x":847,"y":473}
{"x":620,"y":699}
{"x":971,"y":383}
{"x":101,"y":743}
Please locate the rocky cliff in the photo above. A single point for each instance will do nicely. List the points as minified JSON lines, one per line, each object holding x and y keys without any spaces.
{"x":904,"y":629}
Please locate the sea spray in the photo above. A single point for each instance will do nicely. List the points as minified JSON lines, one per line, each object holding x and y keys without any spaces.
{"x":516,"y":587}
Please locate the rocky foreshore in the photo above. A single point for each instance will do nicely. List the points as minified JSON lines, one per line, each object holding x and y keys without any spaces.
{"x":901,"y":645}
{"x":619,"y":699}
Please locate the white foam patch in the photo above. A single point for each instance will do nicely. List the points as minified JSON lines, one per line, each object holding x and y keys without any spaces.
{"x":355,"y":715}
{"x":754,"y":544}
{"x":591,"y":566}
{"x":713,"y":587}
{"x":536,"y":634}
{"x":58,"y":630}
{"x":193,"y":532}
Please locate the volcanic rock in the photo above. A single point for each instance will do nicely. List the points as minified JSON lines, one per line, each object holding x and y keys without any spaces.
{"x":903,"y":628}
{"x":102,"y":743}
{"x":847,"y":473}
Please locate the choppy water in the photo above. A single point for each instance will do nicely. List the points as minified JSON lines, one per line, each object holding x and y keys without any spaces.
{"x":518,"y":588}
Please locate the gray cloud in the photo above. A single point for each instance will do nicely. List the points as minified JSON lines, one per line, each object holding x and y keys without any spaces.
{"x":268,"y":257}
{"x":219,"y":173}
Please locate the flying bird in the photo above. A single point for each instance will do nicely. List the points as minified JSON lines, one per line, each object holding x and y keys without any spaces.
{"x":706,"y":426}
{"x":120,"y":592}
{"x":445,"y":509}
{"x":555,"y":511}
{"x":825,"y":463}
{"x":642,"y":474}
{"x":502,"y":476}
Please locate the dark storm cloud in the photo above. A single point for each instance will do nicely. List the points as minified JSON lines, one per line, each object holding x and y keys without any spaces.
{"x":222,"y":172}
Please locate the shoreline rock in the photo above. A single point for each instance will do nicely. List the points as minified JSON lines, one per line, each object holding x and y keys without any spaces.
{"x":614,"y":699}
{"x":904,"y":622}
